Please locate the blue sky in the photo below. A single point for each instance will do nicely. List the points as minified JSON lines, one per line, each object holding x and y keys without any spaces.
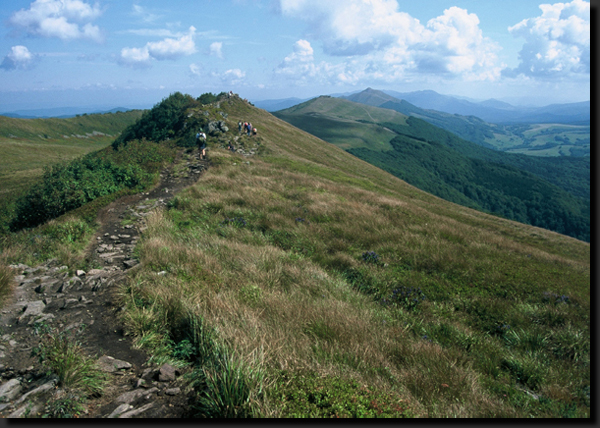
{"x":133,"y":53}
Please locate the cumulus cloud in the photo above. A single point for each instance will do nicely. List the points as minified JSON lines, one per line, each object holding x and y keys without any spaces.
{"x":231,"y":77}
{"x":375,"y":34}
{"x":556,"y":43}
{"x":215,"y":49}
{"x":64,"y":19}
{"x":166,"y":49}
{"x":300,"y":66}
{"x":19,"y":58}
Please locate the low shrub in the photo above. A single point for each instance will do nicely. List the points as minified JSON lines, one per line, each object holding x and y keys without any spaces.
{"x":70,"y":406}
{"x":62,"y":355}
{"x":407,"y":297}
{"x":308,"y":395}
{"x":70,"y":185}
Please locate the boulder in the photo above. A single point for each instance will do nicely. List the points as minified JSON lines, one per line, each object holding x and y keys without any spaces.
{"x":110,"y":365}
{"x":131,"y":396}
{"x":10,"y":390}
{"x":167,"y":373}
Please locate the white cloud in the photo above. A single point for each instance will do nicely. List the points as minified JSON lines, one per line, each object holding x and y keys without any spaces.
{"x":19,"y":58}
{"x":216,"y":49}
{"x":166,"y":49}
{"x":230,"y":77}
{"x":376,"y":35}
{"x":64,"y":19}
{"x":556,"y":43}
{"x":196,"y":69}
{"x":135,"y":57}
{"x":142,"y":13}
{"x":299,"y":65}
{"x":173,"y":48}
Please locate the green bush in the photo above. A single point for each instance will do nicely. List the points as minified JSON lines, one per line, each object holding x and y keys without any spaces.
{"x":301,"y":395}
{"x":163,"y":122}
{"x":70,"y":185}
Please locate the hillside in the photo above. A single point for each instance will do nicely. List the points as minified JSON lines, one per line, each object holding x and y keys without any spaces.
{"x":449,"y":167}
{"x":30,"y":145}
{"x":296,"y":280}
{"x":533,"y":139}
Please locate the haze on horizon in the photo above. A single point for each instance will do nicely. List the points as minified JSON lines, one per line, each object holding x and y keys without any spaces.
{"x":132,"y":53}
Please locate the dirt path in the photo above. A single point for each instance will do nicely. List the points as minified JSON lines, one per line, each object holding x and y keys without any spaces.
{"x":84,"y":304}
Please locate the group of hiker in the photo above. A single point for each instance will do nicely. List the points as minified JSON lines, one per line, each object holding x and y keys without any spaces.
{"x":246,"y":127}
{"x":201,"y":138}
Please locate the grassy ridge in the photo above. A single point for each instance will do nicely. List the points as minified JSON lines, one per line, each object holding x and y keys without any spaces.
{"x":306,"y":282}
{"x":460,"y":171}
{"x":311,"y":265}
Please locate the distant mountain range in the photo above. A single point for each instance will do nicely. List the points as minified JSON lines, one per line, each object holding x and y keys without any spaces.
{"x":492,"y":110}
{"x":532,"y":139}
{"x":495,"y":111}
{"x":60,"y":112}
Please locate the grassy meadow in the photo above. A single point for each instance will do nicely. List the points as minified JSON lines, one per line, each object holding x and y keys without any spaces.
{"x":30,"y":145}
{"x":304,"y":282}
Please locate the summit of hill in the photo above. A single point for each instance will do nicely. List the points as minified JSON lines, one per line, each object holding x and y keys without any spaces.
{"x":293,"y":279}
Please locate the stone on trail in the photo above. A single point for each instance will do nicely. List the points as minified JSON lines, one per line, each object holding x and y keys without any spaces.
{"x":33,"y":309}
{"x":131,"y":396}
{"x":10,"y":390}
{"x":119,"y":410}
{"x":136,"y":412}
{"x":110,"y":365}
{"x":167,"y":373}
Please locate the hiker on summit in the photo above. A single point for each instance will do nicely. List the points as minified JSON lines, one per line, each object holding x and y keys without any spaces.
{"x":201,"y":141}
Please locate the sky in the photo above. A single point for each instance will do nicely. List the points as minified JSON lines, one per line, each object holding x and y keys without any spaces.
{"x":134,"y":53}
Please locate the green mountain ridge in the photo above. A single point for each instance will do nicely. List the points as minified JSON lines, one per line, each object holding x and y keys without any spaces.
{"x":514,"y":186}
{"x":532,"y":139}
{"x":302,"y":281}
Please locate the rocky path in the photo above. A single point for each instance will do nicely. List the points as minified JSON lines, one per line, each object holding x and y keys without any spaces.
{"x":55,"y":297}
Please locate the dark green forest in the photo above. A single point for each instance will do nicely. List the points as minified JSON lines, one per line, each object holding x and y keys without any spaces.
{"x":492,"y":187}
{"x":569,"y":173}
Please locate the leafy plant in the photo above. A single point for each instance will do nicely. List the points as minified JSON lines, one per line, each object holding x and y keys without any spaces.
{"x":371,"y":257}
{"x":63,"y":356}
{"x":407,"y":297}
{"x":70,"y":406}
{"x":308,"y":395}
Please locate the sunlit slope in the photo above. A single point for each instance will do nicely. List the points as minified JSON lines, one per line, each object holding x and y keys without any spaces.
{"x":337,"y":289}
{"x":436,"y":161}
{"x":28,"y":145}
{"x":292,"y":149}
{"x":345,"y":124}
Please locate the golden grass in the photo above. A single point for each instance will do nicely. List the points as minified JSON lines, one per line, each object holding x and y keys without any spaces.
{"x":277,"y":289}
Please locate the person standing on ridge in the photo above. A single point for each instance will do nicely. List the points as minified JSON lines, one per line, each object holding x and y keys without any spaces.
{"x":249,"y":129}
{"x":201,"y":140}
{"x":240,"y":126}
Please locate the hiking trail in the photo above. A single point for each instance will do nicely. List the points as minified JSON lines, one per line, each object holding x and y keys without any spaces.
{"x":85,"y":305}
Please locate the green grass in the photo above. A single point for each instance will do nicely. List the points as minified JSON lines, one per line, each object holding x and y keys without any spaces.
{"x":30,"y":145}
{"x":62,"y":355}
{"x":256,"y":279}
